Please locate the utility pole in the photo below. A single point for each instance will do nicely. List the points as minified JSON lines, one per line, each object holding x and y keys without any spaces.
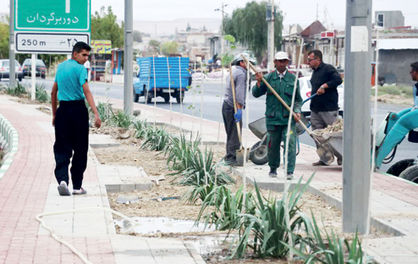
{"x":357,"y":143}
{"x":127,"y":59}
{"x":12,"y":66}
{"x":222,"y":26}
{"x":270,"y":34}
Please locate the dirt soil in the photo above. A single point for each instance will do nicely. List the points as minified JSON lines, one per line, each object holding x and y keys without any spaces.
{"x":151,"y":203}
{"x":393,"y":99}
{"x":154,"y":164}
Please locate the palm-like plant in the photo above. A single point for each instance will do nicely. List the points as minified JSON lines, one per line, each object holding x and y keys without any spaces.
{"x":330,"y":249}
{"x":141,"y":128}
{"x":120,"y":119}
{"x":156,"y":139}
{"x":181,"y":152}
{"x":227,"y":208}
{"x":202,"y":171}
{"x":266,"y":232}
{"x":105,"y":111}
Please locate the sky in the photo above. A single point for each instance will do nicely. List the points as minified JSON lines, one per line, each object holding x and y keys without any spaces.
{"x":330,"y":12}
{"x":295,"y":11}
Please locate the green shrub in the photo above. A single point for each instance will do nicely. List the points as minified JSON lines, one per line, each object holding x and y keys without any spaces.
{"x":181,"y":151}
{"x":18,"y":90}
{"x":41,"y":94}
{"x":120,"y":119}
{"x":266,"y":232}
{"x":105,"y":111}
{"x":223,"y":209}
{"x":141,"y":128}
{"x":330,"y":249}
{"x":156,"y":139}
{"x":201,"y":170}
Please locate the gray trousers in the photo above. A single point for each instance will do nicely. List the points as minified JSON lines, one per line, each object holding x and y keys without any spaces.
{"x":232,"y":140}
{"x":320,"y":120}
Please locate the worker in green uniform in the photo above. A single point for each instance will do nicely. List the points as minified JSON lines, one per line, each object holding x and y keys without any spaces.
{"x":283,"y":82}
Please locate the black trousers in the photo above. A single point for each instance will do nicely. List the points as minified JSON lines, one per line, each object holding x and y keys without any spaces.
{"x":71,"y":141}
{"x":232,"y":140}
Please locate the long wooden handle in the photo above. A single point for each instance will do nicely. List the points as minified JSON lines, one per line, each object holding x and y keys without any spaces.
{"x":278,"y":97}
{"x":235,"y":103}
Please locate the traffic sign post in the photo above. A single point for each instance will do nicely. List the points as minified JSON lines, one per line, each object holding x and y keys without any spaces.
{"x":51,"y":26}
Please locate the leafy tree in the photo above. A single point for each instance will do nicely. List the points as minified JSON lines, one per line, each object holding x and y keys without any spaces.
{"x":169,"y":48}
{"x":249,"y":26}
{"x":104,"y":26}
{"x":154,"y":46}
{"x":137,"y":36}
{"x":4,"y":40}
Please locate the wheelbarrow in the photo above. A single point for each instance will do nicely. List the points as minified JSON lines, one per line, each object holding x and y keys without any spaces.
{"x":258,"y":152}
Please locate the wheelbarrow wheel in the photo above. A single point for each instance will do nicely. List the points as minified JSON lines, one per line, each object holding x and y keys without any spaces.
{"x":400,"y":166}
{"x":258,"y":153}
{"x":410,"y":174}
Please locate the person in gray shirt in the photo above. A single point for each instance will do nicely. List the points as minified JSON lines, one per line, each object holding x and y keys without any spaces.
{"x":239,"y":74}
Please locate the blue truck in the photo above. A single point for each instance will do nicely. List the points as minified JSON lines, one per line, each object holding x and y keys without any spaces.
{"x":162,"y":76}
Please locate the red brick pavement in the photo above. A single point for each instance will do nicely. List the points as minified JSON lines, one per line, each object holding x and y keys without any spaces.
{"x":23,"y":193}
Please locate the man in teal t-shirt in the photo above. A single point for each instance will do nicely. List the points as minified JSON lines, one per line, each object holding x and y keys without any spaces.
{"x":71,"y":119}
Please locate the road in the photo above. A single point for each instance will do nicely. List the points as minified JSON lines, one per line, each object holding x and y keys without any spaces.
{"x":204,"y":99}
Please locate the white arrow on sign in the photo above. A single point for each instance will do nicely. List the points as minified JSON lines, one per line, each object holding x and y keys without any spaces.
{"x":67,"y":6}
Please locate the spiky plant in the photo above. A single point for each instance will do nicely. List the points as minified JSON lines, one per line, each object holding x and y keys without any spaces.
{"x":330,"y":249}
{"x":41,"y":95}
{"x":202,"y":171}
{"x":141,"y":128}
{"x":266,"y":232}
{"x":105,"y":111}
{"x":156,"y":139}
{"x":223,"y":208}
{"x":120,"y":119}
{"x":181,"y":152}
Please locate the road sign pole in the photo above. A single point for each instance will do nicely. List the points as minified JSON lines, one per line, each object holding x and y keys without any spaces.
{"x":356,"y":163}
{"x":12,"y":67}
{"x":33,"y":74}
{"x":128,"y":57}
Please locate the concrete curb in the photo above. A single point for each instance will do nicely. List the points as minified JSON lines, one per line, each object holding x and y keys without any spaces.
{"x":10,"y":137}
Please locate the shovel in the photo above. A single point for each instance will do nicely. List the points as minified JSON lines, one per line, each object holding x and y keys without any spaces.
{"x":324,"y":151}
{"x":239,"y":154}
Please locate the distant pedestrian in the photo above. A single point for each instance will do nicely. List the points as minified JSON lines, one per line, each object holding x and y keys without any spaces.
{"x":277,"y":116}
{"x":239,"y":74}
{"x":88,"y":68}
{"x":406,"y":120}
{"x":71,"y":119}
{"x":324,"y":107}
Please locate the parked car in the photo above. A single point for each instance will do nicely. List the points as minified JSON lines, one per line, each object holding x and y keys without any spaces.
{"x":4,"y":70}
{"x":305,"y":92}
{"x":40,"y":68}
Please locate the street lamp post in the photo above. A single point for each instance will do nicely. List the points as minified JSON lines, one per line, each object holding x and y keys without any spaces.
{"x":270,"y":34}
{"x":222,"y":26}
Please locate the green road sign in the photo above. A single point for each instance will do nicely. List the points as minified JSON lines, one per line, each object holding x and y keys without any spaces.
{"x":52,"y":15}
{"x":51,"y":26}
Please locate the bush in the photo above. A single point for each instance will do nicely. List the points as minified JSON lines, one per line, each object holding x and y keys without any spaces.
{"x":227,"y":207}
{"x":266,"y":232}
{"x":331,"y":249}
{"x":41,"y":94}
{"x":201,"y":170}
{"x":18,"y":90}
{"x":105,"y":111}
{"x":141,"y":128}
{"x":181,"y":152}
{"x":120,"y":119}
{"x":156,"y":139}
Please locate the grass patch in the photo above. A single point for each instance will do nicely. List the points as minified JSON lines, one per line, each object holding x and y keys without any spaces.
{"x":401,"y":90}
